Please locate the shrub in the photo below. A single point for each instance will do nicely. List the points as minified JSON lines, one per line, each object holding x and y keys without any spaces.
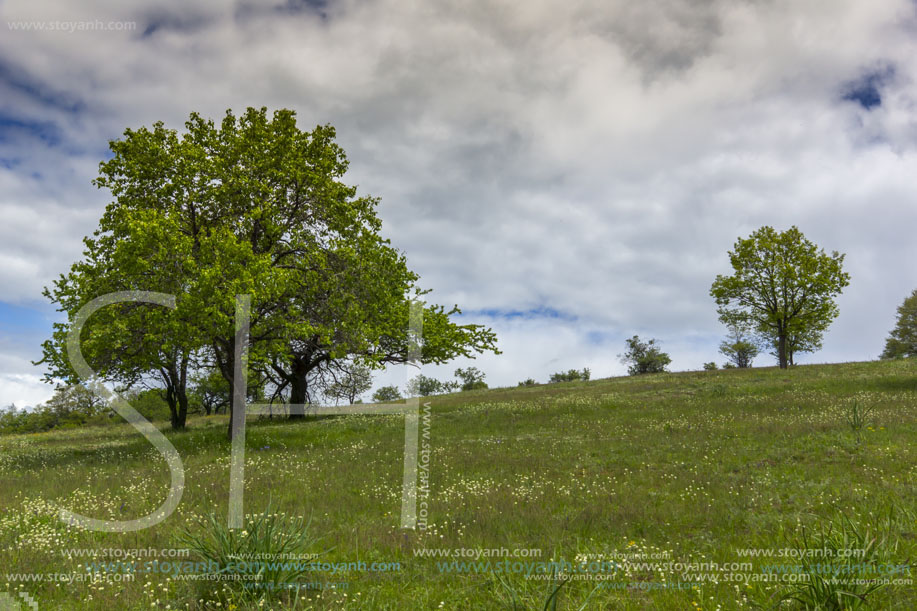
{"x":644,"y":357}
{"x":570,"y":376}
{"x":528,"y":382}
{"x":711,"y":366}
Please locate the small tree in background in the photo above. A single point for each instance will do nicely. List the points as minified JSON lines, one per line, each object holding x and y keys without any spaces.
{"x":528,"y":382}
{"x":570,"y":376}
{"x":644,"y":357}
{"x":386,"y":393}
{"x":711,"y":366}
{"x":472,"y":378}
{"x":210,"y":391}
{"x":902,"y":341}
{"x":351,"y":381}
{"x":423,"y":386}
{"x":739,"y":346}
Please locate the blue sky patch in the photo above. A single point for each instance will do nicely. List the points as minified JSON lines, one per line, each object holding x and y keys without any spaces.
{"x":867,"y":90}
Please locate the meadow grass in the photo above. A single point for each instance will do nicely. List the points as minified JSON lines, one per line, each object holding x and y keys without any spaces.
{"x":682,"y":468}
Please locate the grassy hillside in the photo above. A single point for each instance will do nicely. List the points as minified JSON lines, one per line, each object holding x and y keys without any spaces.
{"x":656,"y":472}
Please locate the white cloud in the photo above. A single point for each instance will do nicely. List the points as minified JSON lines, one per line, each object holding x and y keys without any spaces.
{"x":23,"y":390}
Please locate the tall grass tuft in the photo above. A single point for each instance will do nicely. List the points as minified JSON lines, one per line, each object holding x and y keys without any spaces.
{"x":857,"y":414}
{"x":838,"y":568}
{"x":548,"y":600}
{"x":261,"y":561}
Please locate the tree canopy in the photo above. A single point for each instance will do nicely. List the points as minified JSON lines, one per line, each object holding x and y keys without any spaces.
{"x":783,"y":286}
{"x":252,"y":205}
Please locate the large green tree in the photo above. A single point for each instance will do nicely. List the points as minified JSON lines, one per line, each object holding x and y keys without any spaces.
{"x":902,"y":341}
{"x":254,"y":205}
{"x":783,"y":286}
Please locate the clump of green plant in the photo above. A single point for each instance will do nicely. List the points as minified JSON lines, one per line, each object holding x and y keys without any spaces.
{"x":510,"y":596}
{"x":838,"y":565}
{"x":263,"y":560}
{"x":857,"y":415}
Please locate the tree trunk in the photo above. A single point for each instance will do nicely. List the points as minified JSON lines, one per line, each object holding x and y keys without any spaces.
{"x":224,"y":355}
{"x":781,"y":348}
{"x":299,"y":388}
{"x":172,"y":400}
{"x":176,"y":380}
{"x":182,"y":416}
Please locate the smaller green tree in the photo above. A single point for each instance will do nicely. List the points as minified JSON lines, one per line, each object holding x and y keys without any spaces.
{"x":528,"y":382}
{"x":210,"y":391}
{"x":472,"y":378}
{"x":644,"y":357}
{"x":739,"y":347}
{"x":902,"y":341}
{"x":386,"y":394}
{"x":711,"y":366}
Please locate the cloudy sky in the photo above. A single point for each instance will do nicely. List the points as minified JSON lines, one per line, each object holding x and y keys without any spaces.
{"x":568,"y":172}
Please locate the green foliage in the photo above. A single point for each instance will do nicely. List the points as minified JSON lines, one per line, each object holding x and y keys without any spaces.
{"x":644,"y":357}
{"x":711,"y":366}
{"x":783,"y":287}
{"x":528,"y":382}
{"x":386,"y":393}
{"x":471,"y":378}
{"x":572,"y":375}
{"x":424,"y":386}
{"x":902,"y":341}
{"x":150,"y":403}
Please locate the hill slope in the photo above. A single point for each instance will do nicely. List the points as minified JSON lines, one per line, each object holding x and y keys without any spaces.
{"x":665,"y":475}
